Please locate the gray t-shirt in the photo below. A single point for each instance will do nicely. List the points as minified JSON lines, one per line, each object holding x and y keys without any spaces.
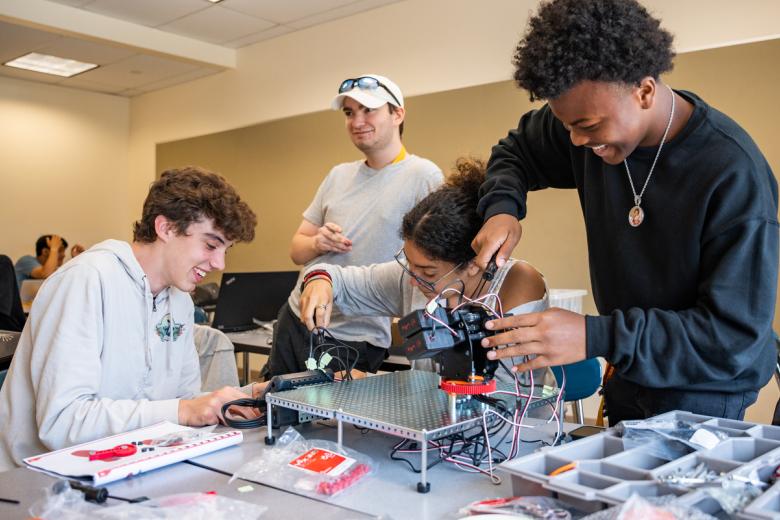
{"x":369,"y":205}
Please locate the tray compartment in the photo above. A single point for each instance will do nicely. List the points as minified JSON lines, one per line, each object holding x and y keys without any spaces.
{"x":591,"y":448}
{"x":637,"y":459}
{"x":623,"y":491}
{"x":608,"y":469}
{"x":689,"y":462}
{"x":580,"y":484}
{"x":764,"y":431}
{"x":536,"y":467}
{"x":765,"y":506}
{"x":741,"y":450}
{"x":678,"y":415}
{"x":730,"y":424}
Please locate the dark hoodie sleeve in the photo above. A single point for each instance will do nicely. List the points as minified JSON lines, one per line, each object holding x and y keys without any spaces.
{"x":534,"y":156}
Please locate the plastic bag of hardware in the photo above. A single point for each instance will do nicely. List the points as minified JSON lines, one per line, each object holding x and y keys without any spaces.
{"x":668,"y":439}
{"x":530,"y":508}
{"x":733,"y":491}
{"x":733,"y":496}
{"x":316,"y":468}
{"x":657,"y":508}
{"x":61,"y":502}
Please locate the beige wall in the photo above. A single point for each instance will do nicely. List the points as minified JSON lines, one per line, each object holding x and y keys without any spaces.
{"x":63,"y":157}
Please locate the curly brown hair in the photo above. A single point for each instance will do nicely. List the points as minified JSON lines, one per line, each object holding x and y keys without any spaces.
{"x":188,"y":195}
{"x":444,"y":223}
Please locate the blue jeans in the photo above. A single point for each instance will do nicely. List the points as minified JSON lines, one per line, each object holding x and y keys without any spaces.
{"x":626,"y":401}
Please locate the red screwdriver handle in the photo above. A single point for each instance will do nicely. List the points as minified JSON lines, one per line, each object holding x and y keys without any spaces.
{"x":123,"y":450}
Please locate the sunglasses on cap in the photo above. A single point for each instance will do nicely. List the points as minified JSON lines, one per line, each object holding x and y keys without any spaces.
{"x":365,"y":83}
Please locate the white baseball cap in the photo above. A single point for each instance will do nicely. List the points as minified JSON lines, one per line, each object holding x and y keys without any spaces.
{"x":370,"y":90}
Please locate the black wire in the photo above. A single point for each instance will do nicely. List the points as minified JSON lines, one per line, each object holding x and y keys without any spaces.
{"x":210,"y":468}
{"x":326,"y":340}
{"x":478,"y":290}
{"x":257,"y":422}
{"x":475,"y":446}
{"x":394,"y":456}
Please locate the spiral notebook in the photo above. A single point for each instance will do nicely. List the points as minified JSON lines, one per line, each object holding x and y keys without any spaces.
{"x":123,"y":455}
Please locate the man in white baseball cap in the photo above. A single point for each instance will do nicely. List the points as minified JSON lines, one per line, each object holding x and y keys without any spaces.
{"x":370,"y":90}
{"x":354,"y":219}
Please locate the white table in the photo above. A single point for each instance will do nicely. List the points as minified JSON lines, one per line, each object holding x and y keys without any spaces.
{"x":391,"y":491}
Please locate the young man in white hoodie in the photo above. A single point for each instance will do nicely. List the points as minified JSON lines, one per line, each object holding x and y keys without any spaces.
{"x":108,"y":345}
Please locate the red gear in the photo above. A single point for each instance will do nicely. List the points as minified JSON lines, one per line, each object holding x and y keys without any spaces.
{"x":468,"y":387}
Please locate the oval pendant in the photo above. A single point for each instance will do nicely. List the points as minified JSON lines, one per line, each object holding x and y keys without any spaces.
{"x":636,"y":216}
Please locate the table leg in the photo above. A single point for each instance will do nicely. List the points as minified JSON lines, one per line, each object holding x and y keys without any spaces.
{"x":423,"y":486}
{"x":269,"y":438}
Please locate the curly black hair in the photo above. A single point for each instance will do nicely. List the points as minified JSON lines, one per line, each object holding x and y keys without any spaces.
{"x":444,"y":223}
{"x":187,"y":195}
{"x":569,"y":41}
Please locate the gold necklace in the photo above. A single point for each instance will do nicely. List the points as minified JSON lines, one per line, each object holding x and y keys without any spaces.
{"x":636,"y":214}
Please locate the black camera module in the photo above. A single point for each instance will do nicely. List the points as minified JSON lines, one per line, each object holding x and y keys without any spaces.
{"x":456,"y":346}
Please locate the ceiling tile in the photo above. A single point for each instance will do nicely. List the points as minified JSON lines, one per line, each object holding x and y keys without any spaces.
{"x":181,"y":78}
{"x":131,"y":92}
{"x":232,"y":23}
{"x":217,"y":25}
{"x":83,"y":83}
{"x":273,"y":32}
{"x":16,"y":40}
{"x":339,"y":12}
{"x":282,"y":12}
{"x":75,"y":3}
{"x":147,"y":12}
{"x":137,"y":70}
{"x":87,"y":51}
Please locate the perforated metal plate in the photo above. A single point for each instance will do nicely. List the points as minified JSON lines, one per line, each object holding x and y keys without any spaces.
{"x":408,"y":404}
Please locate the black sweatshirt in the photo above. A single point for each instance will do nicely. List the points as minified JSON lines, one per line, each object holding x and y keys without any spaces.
{"x":686,"y":299}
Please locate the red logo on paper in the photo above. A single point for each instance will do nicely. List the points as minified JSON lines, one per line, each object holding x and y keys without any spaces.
{"x":318,"y":460}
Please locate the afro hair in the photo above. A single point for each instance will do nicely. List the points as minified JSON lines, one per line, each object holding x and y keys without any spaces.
{"x":569,"y":41}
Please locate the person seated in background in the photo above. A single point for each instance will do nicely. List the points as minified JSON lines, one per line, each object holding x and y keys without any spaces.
{"x":436,"y":256}
{"x":109,"y":344}
{"x":50,"y":253}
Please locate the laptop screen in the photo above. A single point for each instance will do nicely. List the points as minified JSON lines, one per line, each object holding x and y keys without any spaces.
{"x":244,"y":296}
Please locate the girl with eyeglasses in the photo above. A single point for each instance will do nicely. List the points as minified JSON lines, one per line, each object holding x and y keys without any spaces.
{"x":435,"y":263}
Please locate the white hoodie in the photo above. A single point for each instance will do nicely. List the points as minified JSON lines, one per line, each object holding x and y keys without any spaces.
{"x":98,"y":356}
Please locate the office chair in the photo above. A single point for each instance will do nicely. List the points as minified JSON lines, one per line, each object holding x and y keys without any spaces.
{"x":217,"y":358}
{"x":776,"y":416}
{"x":11,"y":313}
{"x":582,"y":380}
{"x":8,"y":341}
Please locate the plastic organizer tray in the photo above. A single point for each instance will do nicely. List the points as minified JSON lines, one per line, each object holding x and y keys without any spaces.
{"x":606,"y":473}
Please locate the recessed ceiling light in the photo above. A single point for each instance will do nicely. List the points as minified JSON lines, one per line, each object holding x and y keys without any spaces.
{"x":215,"y":1}
{"x":50,"y":64}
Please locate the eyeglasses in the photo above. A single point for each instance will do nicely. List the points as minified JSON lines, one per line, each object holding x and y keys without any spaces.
{"x":365,"y":83}
{"x":400,"y":257}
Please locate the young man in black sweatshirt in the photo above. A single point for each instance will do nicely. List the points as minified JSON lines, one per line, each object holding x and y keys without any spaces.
{"x":680,"y":211}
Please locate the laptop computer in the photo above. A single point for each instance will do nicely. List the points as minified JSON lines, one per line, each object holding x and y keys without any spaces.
{"x":248,"y":297}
